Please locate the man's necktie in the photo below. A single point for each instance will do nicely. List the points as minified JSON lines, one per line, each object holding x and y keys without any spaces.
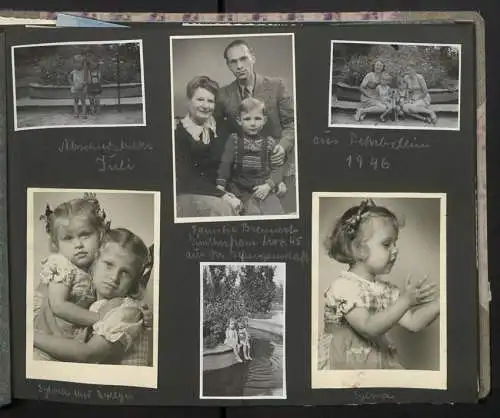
{"x":246,"y":93}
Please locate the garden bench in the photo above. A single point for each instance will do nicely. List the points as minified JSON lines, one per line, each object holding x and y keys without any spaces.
{"x":353,"y":106}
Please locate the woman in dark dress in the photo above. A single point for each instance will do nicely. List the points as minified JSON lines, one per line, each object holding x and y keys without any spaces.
{"x":199,"y":144}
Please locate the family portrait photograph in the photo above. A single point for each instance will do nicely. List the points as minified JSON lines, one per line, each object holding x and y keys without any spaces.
{"x":242,"y":331}
{"x":92,"y":286}
{"x":234,"y":127}
{"x":394,"y":85}
{"x":379,"y":290}
{"x":78,"y":85}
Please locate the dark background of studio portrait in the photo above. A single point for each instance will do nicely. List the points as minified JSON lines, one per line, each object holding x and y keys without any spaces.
{"x":419,"y":254}
{"x":297,"y":374}
{"x":205,"y":56}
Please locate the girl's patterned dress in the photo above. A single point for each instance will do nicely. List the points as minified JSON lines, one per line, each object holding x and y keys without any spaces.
{"x":340,"y":346}
{"x":58,"y":269}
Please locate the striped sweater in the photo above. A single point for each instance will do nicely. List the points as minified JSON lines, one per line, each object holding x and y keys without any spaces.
{"x":247,"y":163}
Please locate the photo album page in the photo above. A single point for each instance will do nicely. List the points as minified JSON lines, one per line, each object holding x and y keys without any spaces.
{"x":243,"y":214}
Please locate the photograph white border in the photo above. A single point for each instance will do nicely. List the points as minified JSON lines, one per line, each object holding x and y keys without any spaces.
{"x":294,"y":215}
{"x":348,"y":379}
{"x":104,"y":125}
{"x":237,"y":263}
{"x":393,"y":127}
{"x":97,"y":374}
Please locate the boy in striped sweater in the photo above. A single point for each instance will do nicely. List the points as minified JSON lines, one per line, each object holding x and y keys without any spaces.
{"x":246,"y":169}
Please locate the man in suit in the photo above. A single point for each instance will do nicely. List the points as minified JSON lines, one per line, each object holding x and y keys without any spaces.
{"x":280,"y":125}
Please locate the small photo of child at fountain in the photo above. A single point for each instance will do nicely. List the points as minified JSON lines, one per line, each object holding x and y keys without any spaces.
{"x":242,"y":329}
{"x":78,"y":84}
{"x":394,"y":85}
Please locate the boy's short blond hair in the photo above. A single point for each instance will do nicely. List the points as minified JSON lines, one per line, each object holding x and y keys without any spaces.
{"x":251,"y":103}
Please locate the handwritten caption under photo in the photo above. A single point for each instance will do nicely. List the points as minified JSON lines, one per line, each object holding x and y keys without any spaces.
{"x":246,"y":242}
{"x":110,"y":156}
{"x":365,"y":146}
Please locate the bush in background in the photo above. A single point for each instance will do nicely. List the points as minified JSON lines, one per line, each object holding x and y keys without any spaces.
{"x":51,"y":65}
{"x":222,"y":300}
{"x":439,"y":66}
{"x":235,"y":292}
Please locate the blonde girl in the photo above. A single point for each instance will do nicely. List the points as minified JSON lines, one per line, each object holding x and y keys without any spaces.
{"x":360,"y":307}
{"x":65,"y":291}
{"x":244,"y":340}
{"x":120,"y":274}
{"x":231,"y":339}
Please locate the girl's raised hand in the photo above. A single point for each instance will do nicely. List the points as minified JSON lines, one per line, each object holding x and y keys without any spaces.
{"x":410,"y":291}
{"x":428,"y":292}
{"x":419,"y":292}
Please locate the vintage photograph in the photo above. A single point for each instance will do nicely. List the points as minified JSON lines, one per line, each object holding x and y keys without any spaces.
{"x":78,"y":85}
{"x":242,"y":331}
{"x":234,"y":127}
{"x":379,"y":290}
{"x":394,"y":85}
{"x":92,"y":286}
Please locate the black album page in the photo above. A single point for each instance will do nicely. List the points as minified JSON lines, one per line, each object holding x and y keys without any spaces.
{"x":243,"y":215}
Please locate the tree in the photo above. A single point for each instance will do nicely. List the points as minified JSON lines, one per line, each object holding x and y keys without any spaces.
{"x":279,"y":295}
{"x":258,"y":287}
{"x":222,"y":300}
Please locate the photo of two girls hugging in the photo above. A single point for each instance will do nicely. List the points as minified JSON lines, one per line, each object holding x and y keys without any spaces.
{"x":88,"y":305}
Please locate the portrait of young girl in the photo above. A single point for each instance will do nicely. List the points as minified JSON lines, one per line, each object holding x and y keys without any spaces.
{"x":378,"y":290}
{"x":91,"y":288}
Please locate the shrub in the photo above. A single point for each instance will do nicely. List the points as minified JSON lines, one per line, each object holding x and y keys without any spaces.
{"x":258,"y":287}
{"x":438,"y":66}
{"x":53,"y":64}
{"x":230,"y":292}
{"x":222,"y":300}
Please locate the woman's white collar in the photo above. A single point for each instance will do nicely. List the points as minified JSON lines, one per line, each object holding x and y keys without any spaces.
{"x":196,"y":130}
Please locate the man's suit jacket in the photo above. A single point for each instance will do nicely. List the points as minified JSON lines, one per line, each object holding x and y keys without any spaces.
{"x":279,"y":104}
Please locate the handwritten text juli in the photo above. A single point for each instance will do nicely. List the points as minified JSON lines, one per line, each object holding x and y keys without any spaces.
{"x":110,"y":156}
